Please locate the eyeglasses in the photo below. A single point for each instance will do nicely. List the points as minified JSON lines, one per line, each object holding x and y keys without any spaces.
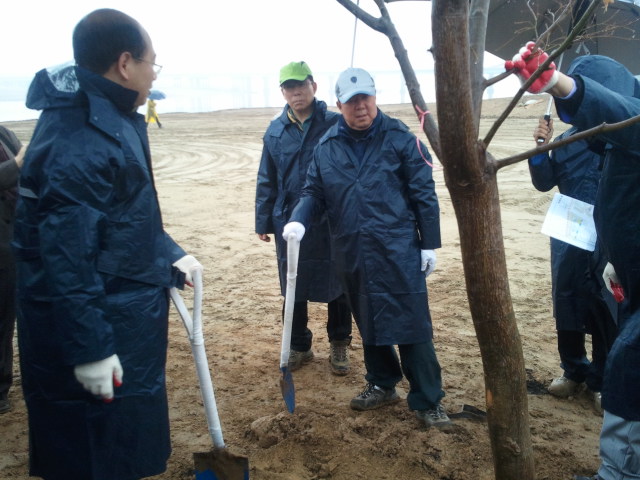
{"x":291,"y":85}
{"x":156,"y":68}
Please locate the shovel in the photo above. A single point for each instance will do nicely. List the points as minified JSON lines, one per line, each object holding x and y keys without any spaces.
{"x":286,"y":382}
{"x":219,"y":463}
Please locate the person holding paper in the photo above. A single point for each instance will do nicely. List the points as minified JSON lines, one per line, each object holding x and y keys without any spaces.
{"x":581,"y":303}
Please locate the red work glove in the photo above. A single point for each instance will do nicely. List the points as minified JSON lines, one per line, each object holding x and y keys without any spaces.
{"x":526,"y":62}
{"x":612,"y":282}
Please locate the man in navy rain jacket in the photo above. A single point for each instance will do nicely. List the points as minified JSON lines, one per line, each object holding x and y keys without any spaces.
{"x":94,"y":264}
{"x":371,"y":179}
{"x":288,"y":148}
{"x":585,"y":102}
{"x":581,"y":303}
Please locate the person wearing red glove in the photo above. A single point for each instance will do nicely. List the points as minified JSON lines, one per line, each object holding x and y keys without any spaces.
{"x":601,"y":90}
{"x":94,"y":264}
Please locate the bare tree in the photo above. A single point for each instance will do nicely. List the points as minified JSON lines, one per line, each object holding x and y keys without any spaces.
{"x":470,"y":172}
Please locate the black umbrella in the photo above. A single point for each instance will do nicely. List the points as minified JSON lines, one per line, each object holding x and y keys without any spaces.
{"x":614,"y":32}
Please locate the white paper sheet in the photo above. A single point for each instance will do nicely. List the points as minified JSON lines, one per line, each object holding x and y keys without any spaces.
{"x":571,"y":221}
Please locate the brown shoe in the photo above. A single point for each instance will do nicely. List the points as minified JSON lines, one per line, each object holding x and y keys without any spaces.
{"x":339,"y":356}
{"x":298,"y":358}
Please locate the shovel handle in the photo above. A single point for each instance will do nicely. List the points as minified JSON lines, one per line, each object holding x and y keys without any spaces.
{"x":293,"y":250}
{"x":193,"y":326}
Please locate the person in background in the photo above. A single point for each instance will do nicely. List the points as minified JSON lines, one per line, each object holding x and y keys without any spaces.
{"x":605,"y":91}
{"x":372,"y":179}
{"x":94,"y":264}
{"x":581,"y":303}
{"x":287,"y":152}
{"x":11,"y":157}
{"x":152,"y":114}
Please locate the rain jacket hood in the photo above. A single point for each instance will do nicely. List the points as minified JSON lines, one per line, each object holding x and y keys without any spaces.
{"x":607,"y":72}
{"x":58,"y":87}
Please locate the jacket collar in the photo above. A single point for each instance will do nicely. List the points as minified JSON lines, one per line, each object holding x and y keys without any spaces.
{"x":123,"y":98}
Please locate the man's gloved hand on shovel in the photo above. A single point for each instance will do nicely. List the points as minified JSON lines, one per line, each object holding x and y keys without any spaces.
{"x":295,"y":228}
{"x":526,"y":62}
{"x":187,"y":265}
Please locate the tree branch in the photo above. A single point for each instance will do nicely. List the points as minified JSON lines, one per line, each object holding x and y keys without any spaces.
{"x":478,"y":16}
{"x":385,"y":25}
{"x":567,"y":42}
{"x":602,"y":128}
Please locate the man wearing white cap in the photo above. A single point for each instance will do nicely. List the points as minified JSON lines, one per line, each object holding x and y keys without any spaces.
{"x":370,"y":176}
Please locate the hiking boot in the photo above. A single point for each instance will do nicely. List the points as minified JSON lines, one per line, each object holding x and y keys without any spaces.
{"x":563,"y":387}
{"x":436,"y":417}
{"x":339,"y":356}
{"x":374,"y":397}
{"x":5,"y":406}
{"x":298,"y":358}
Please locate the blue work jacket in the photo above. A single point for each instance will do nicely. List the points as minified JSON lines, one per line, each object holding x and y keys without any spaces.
{"x":286,"y":156}
{"x":94,"y":264}
{"x":576,"y":274}
{"x":382,"y":209}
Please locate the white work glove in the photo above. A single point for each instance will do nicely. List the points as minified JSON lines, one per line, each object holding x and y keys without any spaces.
{"x":527,"y":61}
{"x":428,"y":261}
{"x":293,"y":227}
{"x":188,"y":265}
{"x":100,"y":377}
{"x":612,"y":282}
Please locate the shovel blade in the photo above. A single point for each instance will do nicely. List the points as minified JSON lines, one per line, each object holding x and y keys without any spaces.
{"x":220,"y":464}
{"x":288,"y":389}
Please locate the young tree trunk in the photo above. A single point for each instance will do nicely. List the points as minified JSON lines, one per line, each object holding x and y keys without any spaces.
{"x":470,"y":176}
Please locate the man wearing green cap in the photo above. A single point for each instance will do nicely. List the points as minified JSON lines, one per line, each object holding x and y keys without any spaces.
{"x":288,"y":150}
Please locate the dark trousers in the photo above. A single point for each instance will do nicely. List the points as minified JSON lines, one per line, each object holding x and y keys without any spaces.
{"x":573,"y":356}
{"x":418,"y":363}
{"x":7,"y":324}
{"x":338,"y":323}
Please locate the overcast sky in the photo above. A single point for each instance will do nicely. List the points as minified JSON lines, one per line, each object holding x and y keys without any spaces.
{"x":194,"y":36}
{"x":243,"y":42}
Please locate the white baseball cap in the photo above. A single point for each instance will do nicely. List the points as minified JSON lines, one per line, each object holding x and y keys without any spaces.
{"x":352,"y":82}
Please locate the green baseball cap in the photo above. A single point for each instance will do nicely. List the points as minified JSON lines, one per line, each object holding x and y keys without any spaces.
{"x":295,"y":71}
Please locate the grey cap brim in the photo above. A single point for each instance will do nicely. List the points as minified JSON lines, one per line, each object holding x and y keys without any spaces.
{"x":345,"y":97}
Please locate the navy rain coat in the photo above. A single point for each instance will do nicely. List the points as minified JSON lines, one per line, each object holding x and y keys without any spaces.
{"x":613,"y":98}
{"x":576,"y":274}
{"x":286,"y":156}
{"x":94,"y":264}
{"x":382,"y":211}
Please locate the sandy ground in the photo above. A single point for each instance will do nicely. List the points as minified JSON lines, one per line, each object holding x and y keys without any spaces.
{"x":205,"y":167}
